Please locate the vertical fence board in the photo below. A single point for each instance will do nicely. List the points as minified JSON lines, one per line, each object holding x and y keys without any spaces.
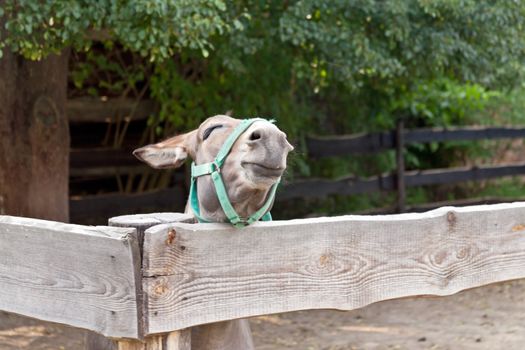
{"x":400,"y":161}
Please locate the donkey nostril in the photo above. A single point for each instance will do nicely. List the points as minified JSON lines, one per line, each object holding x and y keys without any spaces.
{"x":256,"y":135}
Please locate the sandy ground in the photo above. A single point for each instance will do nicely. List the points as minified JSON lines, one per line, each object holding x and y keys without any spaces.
{"x":488,"y":318}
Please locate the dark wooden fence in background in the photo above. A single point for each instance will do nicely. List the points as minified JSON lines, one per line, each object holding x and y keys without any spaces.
{"x":95,"y":167}
{"x":329,"y":146}
{"x":105,"y":178}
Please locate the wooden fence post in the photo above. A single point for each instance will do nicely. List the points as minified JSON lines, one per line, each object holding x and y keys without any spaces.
{"x":177,"y":340}
{"x":400,"y":161}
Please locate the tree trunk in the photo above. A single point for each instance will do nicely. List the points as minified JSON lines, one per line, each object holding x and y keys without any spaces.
{"x":34,"y":137}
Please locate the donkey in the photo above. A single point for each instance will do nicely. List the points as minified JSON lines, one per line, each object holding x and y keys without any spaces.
{"x":250,"y":170}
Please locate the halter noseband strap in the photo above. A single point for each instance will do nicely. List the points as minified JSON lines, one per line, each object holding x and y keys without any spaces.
{"x":214,"y":170}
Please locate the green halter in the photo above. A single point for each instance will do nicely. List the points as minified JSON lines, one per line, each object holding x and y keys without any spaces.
{"x":214,"y":170}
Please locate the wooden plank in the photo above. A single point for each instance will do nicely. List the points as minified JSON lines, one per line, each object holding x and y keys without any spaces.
{"x":420,"y":208}
{"x":100,"y":207}
{"x":340,"y":145}
{"x":460,"y":174}
{"x":91,"y":109}
{"x":141,"y":222}
{"x":463,"y":134}
{"x":106,"y":171}
{"x":213,"y":272}
{"x":81,"y":158}
{"x":86,"y":277}
{"x":317,"y":188}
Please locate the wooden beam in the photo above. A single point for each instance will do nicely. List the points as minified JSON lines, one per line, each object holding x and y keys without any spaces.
{"x":83,"y":209}
{"x":81,"y":158}
{"x":203,"y":273}
{"x":466,"y":133}
{"x":340,"y":145}
{"x":91,"y":109}
{"x":460,"y":174}
{"x":420,"y":208}
{"x":87,"y":277}
{"x":80,"y":174}
{"x":317,"y":188}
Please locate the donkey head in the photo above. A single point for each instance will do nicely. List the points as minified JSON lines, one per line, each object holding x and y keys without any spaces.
{"x":255,"y":163}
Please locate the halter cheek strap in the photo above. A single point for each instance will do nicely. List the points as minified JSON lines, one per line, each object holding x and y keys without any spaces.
{"x":214,"y":170}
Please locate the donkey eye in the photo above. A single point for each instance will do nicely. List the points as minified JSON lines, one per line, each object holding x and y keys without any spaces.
{"x":208,"y":131}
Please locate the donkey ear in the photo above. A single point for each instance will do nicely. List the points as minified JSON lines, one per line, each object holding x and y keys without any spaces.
{"x":170,"y":153}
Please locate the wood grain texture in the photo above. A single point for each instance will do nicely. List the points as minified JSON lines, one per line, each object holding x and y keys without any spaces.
{"x":144,"y":221}
{"x":204,"y":273}
{"x":86,"y":277}
{"x":88,"y":109}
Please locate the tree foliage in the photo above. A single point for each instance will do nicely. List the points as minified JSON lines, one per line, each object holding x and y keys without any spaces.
{"x":342,"y":65}
{"x":366,"y":42}
{"x":359,"y":42}
{"x":154,"y":28}
{"x":329,"y":66}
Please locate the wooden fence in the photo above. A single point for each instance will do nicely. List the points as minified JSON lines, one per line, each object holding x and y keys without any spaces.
{"x":95,"y":168}
{"x":319,"y":147}
{"x":105,"y":178}
{"x":154,"y":277}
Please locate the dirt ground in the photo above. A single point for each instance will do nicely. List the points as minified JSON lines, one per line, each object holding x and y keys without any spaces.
{"x":487,"y":318}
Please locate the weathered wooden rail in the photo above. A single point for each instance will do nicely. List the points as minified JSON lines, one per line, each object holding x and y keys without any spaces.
{"x":340,"y":145}
{"x":190,"y":274}
{"x":316,"y":188}
{"x":328,"y":146}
